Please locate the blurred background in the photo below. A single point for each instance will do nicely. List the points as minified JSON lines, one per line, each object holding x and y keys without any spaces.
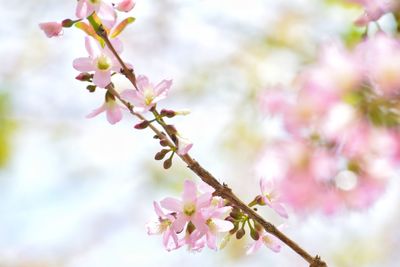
{"x":76,"y":192}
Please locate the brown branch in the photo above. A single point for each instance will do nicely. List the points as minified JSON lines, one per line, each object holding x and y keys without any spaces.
{"x":221,"y":190}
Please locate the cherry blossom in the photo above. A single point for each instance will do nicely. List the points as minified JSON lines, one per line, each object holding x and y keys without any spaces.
{"x":104,"y":11}
{"x":51,"y":29}
{"x":147,"y":94}
{"x":112,"y":109}
{"x":270,"y":197}
{"x":266,"y":239}
{"x":374,"y":9}
{"x":164,"y":226}
{"x":100,"y":60}
{"x":189,"y":208}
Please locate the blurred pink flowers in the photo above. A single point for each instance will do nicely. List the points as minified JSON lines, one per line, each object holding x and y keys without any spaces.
{"x":374,"y":9}
{"x":342,"y":144}
{"x":112,"y":109}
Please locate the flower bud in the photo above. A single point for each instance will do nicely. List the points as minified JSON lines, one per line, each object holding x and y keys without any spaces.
{"x":235,"y":228}
{"x":84,"y":77}
{"x":235,"y":213}
{"x":163,"y":142}
{"x":254,"y":234}
{"x":167,"y":163}
{"x":91,"y":88}
{"x":240,"y":233}
{"x":142,"y":125}
{"x":167,"y":113}
{"x":160,"y":155}
{"x":67,"y":23}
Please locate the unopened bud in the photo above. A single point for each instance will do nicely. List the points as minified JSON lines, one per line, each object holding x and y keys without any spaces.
{"x":91,"y":88}
{"x":167,"y":113}
{"x":235,"y":213}
{"x":190,"y":228}
{"x":254,"y":234}
{"x":160,"y":155}
{"x":84,"y":77}
{"x":167,"y":163}
{"x":67,"y":23}
{"x":240,"y":233}
{"x":163,"y":142}
{"x":235,"y":228}
{"x":171,"y":129}
{"x":142,"y":125}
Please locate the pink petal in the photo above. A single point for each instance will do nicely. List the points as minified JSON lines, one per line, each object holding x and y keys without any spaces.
{"x":280,"y":209}
{"x":272,"y":242}
{"x":83,"y":64}
{"x":126,"y":5}
{"x":184,"y":145}
{"x":107,"y":14}
{"x":114,"y":114}
{"x":171,"y":204}
{"x":96,"y":111}
{"x":189,"y":191}
{"x":131,"y":96}
{"x":204,"y":200}
{"x":142,"y":82}
{"x":158,"y":209}
{"x":179,"y":223}
{"x":211,"y":241}
{"x":92,"y":47}
{"x":254,"y":247}
{"x":222,"y":225}
{"x":81,"y":9}
{"x":163,"y":87}
{"x":102,"y":78}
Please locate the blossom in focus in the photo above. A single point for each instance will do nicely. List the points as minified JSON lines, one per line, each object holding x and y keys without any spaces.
{"x":215,"y":222}
{"x":189,"y":208}
{"x":125,"y":5}
{"x":112,"y":109}
{"x":164,"y":226}
{"x":266,"y":239}
{"x":270,"y":197}
{"x":100,"y":60}
{"x":147,"y":94}
{"x":104,"y":11}
{"x":51,"y":29}
{"x":374,"y":9}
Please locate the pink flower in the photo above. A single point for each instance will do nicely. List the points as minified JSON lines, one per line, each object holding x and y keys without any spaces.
{"x":184,"y":145}
{"x":125,"y":5}
{"x":374,"y":9}
{"x":147,"y":94}
{"x":271,"y":198}
{"x":215,"y":224}
{"x":51,"y":29}
{"x":164,"y":226}
{"x":112,"y":109}
{"x":189,"y":208}
{"x":266,"y":239}
{"x":100,"y":60}
{"x":104,"y":11}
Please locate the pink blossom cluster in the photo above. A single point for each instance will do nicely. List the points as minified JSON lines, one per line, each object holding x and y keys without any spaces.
{"x":197,"y":219}
{"x":104,"y":61}
{"x":84,"y":8}
{"x":342,"y":143}
{"x":374,"y":10}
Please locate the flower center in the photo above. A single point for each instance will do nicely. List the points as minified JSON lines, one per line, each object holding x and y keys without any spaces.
{"x":148,"y":96}
{"x":189,"y":209}
{"x":95,"y":2}
{"x":103,"y":62}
